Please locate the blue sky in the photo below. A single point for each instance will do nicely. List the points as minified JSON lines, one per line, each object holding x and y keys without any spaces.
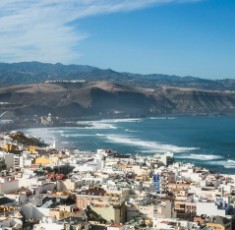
{"x":181,"y":37}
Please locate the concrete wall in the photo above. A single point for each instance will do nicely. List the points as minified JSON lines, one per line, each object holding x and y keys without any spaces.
{"x":118,"y":215}
{"x":21,"y":198}
{"x":31,"y":211}
{"x":9,"y":160}
{"x":67,"y":185}
{"x":135,"y":211}
{"x":209,"y":209}
{"x":165,"y":210}
{"x":108,"y":213}
{"x":9,"y":186}
{"x":6,"y":223}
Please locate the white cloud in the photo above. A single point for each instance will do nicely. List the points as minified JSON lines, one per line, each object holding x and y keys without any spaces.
{"x":41,"y":29}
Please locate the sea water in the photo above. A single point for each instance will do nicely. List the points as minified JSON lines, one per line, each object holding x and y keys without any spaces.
{"x":206,"y":141}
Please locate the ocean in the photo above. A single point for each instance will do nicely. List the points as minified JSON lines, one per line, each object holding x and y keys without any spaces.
{"x":205,"y":141}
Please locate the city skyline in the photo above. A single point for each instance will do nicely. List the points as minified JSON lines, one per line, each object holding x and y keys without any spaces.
{"x":180,"y":37}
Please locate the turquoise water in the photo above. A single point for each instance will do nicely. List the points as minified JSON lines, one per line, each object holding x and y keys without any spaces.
{"x":205,"y":141}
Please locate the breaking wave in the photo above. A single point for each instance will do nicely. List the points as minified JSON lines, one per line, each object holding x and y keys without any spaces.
{"x":99,"y":135}
{"x":230,"y":164}
{"x":225,"y":163}
{"x":76,"y":135}
{"x":44,"y":134}
{"x":121,"y":120}
{"x":128,"y":120}
{"x":200,"y":157}
{"x":146,"y":145}
{"x":131,"y":131}
{"x":106,"y":123}
{"x":57,"y":131}
{"x":162,"y":118}
{"x":96,"y":125}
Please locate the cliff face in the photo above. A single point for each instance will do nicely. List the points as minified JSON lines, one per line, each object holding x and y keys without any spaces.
{"x":102,"y":98}
{"x":97,"y":92}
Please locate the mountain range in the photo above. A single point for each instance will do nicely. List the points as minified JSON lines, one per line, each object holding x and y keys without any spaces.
{"x":31,"y":88}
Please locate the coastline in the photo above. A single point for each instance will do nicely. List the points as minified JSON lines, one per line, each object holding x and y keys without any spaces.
{"x":105,"y":132}
{"x":204,"y":141}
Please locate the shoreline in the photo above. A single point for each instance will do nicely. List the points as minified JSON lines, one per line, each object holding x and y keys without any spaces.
{"x":28,"y":123}
{"x":220,"y":164}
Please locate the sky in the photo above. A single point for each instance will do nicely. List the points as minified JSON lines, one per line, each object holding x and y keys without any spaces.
{"x":176,"y":37}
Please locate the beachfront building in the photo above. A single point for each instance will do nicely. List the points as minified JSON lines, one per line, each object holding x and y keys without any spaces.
{"x":166,"y":158}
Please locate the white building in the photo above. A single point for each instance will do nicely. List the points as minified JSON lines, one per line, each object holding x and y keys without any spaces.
{"x":8,"y":158}
{"x":165,"y":158}
{"x":8,"y":185}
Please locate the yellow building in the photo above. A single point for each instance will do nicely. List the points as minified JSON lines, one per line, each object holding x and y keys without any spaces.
{"x":31,"y":149}
{"x":59,"y":214}
{"x":45,"y":160}
{"x":10,"y":147}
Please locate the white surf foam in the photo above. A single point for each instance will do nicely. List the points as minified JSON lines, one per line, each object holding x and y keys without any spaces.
{"x":42,"y":133}
{"x":230,"y":164}
{"x":200,"y":157}
{"x":128,"y":120}
{"x":96,"y":125}
{"x":99,"y":135}
{"x":102,"y":126}
{"x":76,"y":135}
{"x":56,"y":131}
{"x":131,"y":131}
{"x":121,"y":120}
{"x":106,"y":123}
{"x":224,"y":163}
{"x":162,"y":118}
{"x":146,"y":145}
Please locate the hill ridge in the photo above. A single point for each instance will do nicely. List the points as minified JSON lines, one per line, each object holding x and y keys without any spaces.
{"x":37,"y":72}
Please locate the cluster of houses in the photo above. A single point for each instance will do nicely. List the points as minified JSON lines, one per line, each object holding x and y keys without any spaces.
{"x":45,"y":188}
